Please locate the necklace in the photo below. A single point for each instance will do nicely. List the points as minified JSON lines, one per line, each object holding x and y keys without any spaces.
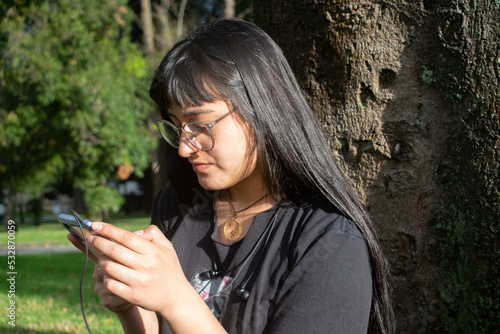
{"x":232,"y":227}
{"x":241,"y":292}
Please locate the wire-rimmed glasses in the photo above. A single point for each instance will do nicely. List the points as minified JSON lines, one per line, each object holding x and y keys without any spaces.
{"x":199,"y":134}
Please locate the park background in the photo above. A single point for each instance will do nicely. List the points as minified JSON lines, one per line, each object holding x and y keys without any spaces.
{"x":407,"y":92}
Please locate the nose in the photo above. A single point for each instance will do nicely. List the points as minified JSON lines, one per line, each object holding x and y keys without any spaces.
{"x":185,"y":147}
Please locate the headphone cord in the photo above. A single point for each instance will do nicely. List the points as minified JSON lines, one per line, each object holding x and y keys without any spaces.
{"x":266,"y":234}
{"x":83,"y":276}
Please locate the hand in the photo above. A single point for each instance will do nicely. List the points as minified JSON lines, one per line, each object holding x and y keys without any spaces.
{"x":93,"y":253}
{"x":109,"y":300}
{"x":142,"y":268}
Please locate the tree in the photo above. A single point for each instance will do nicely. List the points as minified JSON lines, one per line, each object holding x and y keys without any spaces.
{"x":73,"y":98}
{"x":408,"y":93}
{"x":147,"y":26}
{"x":229,"y":8}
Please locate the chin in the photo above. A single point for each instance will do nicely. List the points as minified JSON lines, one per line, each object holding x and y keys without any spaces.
{"x":207,"y":185}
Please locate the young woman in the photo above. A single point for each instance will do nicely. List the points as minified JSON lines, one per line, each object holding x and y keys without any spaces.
{"x":257,"y":230}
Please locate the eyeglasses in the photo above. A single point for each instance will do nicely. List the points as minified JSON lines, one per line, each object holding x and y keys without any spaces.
{"x":199,"y":134}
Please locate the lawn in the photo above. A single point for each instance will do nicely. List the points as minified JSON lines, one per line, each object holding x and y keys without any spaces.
{"x":47,"y":285}
{"x":52,"y":233}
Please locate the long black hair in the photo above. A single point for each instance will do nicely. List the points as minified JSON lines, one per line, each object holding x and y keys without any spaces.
{"x":234,"y":60}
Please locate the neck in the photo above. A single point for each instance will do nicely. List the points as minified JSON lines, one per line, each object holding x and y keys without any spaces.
{"x":248,"y":191}
{"x":247,"y":195}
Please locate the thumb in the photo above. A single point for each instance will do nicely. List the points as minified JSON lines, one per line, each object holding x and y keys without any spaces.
{"x":152,"y":233}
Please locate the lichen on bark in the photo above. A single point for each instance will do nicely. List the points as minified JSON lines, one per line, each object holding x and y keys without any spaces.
{"x":408,"y":95}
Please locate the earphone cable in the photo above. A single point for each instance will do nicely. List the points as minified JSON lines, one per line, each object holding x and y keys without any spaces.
{"x":83,"y":276}
{"x":266,"y":234}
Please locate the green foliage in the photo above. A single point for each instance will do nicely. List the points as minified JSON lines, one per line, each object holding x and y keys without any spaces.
{"x":73,"y":101}
{"x":101,"y":199}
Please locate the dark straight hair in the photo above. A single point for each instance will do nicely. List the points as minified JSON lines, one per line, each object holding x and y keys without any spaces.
{"x":234,"y":60}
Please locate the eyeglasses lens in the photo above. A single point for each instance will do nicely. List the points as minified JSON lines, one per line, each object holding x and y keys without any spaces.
{"x":197,"y":133}
{"x":169,"y":132}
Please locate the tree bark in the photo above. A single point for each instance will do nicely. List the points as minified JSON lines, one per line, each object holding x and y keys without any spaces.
{"x":229,"y":10}
{"x":180,"y":19}
{"x":408,"y":95}
{"x":147,"y":26}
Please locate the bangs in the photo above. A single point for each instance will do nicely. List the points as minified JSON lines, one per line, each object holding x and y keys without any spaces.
{"x":188,"y":76}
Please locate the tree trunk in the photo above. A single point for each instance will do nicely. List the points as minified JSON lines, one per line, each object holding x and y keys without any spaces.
{"x":147,"y":26}
{"x":229,"y":8}
{"x":180,"y":19}
{"x":408,"y":95}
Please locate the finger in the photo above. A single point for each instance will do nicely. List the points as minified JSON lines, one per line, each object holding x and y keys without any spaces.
{"x":117,"y":252}
{"x":153,"y":234}
{"x":122,"y":290}
{"x":121,"y":273}
{"x":123,"y":237}
{"x":81,"y":246}
{"x":99,"y":272}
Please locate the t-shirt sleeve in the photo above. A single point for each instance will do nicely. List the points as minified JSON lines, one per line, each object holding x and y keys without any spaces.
{"x":157,"y":213}
{"x":164,"y":213}
{"x":328,"y":289}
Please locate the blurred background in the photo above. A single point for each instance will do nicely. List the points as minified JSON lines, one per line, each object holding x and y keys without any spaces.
{"x":76,"y":131}
{"x":76,"y":125}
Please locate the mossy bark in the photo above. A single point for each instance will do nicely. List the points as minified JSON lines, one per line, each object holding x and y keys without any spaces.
{"x":408,"y":93}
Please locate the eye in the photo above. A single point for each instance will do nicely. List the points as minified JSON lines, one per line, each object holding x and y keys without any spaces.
{"x":174,"y":120}
{"x":195,"y":127}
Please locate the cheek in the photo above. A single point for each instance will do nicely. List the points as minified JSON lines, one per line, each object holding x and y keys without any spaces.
{"x":233,"y":148}
{"x":232,"y":142}
{"x":230,"y":157}
{"x":235,"y":155}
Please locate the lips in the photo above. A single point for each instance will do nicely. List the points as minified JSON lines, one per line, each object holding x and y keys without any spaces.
{"x":199,"y":166}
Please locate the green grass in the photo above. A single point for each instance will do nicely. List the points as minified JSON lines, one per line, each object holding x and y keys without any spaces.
{"x":53,"y":233}
{"x":47,"y":297}
{"x":47,"y":286}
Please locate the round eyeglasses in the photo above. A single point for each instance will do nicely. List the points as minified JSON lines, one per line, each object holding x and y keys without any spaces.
{"x":199,"y":134}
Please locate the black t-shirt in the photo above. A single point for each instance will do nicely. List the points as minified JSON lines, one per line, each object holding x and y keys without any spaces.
{"x":306,"y":268}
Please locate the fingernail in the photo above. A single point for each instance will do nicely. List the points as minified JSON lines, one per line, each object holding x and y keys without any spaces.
{"x":96,"y":227}
{"x":90,"y":238}
{"x":140,"y":232}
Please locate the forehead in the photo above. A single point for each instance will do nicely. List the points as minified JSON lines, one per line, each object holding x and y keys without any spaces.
{"x":204,"y":109}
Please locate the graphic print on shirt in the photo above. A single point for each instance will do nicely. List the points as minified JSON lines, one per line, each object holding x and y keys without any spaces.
{"x":215,"y":292}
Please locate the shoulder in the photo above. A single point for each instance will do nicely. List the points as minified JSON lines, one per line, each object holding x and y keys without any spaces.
{"x":167,"y":203}
{"x":316,"y":227}
{"x":168,"y":211}
{"x":327,"y":284}
{"x":315,"y":219}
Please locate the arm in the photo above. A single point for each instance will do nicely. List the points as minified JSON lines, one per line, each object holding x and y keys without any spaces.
{"x":138,"y":320}
{"x":143,"y":269}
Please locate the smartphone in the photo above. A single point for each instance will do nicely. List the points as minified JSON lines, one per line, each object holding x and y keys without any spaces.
{"x":70,"y":222}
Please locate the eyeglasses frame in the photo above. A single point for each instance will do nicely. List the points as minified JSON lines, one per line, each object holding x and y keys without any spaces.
{"x":180,"y":130}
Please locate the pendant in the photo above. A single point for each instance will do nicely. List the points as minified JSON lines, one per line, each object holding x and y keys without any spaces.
{"x":232,"y":229}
